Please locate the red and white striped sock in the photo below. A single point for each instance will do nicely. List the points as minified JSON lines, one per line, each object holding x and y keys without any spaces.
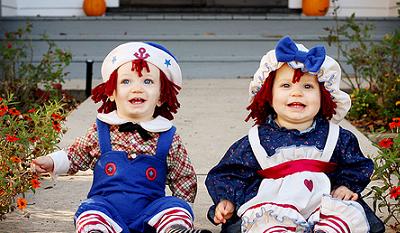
{"x":173,"y":216}
{"x":331,"y":223}
{"x":95,"y":220}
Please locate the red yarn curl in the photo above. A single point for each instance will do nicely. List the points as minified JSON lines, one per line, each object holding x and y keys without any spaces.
{"x":168,"y":92}
{"x":261,"y":106}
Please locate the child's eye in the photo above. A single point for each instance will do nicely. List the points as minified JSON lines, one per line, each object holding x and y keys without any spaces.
{"x":308,"y":86}
{"x":125,"y":81}
{"x":285,"y":85}
{"x":148,"y":81}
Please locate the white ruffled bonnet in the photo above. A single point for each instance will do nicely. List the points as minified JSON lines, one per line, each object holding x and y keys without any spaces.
{"x":329,"y":73}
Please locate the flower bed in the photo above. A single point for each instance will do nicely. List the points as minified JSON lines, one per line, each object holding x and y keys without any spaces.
{"x":32,"y":108}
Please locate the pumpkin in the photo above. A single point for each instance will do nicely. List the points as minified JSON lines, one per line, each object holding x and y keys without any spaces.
{"x":94,"y":7}
{"x":315,"y":7}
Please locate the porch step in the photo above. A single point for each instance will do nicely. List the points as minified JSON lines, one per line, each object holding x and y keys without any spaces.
{"x":207,"y":46}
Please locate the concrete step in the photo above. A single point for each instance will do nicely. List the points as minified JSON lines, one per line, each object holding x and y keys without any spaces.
{"x":207,"y":46}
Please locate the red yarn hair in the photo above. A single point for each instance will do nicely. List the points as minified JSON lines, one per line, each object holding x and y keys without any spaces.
{"x":261,"y":106}
{"x":168,"y":92}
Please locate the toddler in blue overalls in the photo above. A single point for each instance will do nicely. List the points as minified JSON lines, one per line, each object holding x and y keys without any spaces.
{"x":133,"y":148}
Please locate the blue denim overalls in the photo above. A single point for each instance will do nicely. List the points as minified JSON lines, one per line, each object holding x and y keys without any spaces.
{"x":130,"y":191}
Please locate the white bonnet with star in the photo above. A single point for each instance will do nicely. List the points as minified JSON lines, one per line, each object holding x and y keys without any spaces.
{"x":313,"y":61}
{"x":151,"y":52}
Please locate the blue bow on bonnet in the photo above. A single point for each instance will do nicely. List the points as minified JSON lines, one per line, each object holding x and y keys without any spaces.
{"x":287,"y":51}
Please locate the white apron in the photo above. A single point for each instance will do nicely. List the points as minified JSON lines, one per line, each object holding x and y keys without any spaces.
{"x":297,"y":195}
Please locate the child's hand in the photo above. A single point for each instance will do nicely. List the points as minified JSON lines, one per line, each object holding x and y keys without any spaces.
{"x":43,"y":164}
{"x":343,"y":193}
{"x":223,"y":211}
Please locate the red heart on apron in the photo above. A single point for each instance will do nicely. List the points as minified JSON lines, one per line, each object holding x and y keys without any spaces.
{"x":308,"y":184}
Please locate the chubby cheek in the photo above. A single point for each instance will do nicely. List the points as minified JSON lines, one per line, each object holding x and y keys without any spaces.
{"x":316,"y":104}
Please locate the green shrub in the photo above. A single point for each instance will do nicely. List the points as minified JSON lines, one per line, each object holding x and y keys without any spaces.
{"x":385,"y":192}
{"x":364,"y":104}
{"x":375,"y":66}
{"x":31,"y":112}
{"x":32,"y":82}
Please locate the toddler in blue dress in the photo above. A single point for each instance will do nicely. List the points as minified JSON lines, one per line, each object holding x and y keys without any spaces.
{"x":296,"y":170}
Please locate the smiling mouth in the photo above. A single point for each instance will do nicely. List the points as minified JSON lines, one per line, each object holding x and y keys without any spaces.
{"x":137,"y":100}
{"x":296,"y":105}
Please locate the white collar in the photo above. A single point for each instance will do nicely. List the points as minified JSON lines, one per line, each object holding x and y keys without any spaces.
{"x":158,"y":124}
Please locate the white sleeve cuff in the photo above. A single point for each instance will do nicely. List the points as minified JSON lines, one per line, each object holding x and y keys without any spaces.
{"x":61,"y":162}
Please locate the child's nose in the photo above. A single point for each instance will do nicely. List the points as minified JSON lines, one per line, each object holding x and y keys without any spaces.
{"x":296,"y":92}
{"x":136,"y":87}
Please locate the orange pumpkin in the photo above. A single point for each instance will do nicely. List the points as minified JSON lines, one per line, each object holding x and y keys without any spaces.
{"x":315,"y":7}
{"x":94,"y":7}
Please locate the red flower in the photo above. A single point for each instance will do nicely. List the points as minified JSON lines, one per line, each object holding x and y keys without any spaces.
{"x":32,"y":110}
{"x":392,"y":125}
{"x":27,"y":118}
{"x":396,"y":119}
{"x":33,"y":139}
{"x":57,"y":86}
{"x":14,"y":112}
{"x":35,"y":183}
{"x":57,"y":126}
{"x":1,"y":99}
{"x":10,"y":138}
{"x":56,"y":117}
{"x":395,"y":192}
{"x":9,"y":45}
{"x":3,"y":107}
{"x":21,"y":203}
{"x":386,"y":143}
{"x":15,"y":159}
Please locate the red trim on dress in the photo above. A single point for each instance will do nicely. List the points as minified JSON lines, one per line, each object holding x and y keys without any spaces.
{"x":300,"y":165}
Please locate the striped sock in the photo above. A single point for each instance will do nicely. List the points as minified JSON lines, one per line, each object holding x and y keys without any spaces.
{"x":182,"y":229}
{"x":173,"y":217}
{"x":93,"y":223}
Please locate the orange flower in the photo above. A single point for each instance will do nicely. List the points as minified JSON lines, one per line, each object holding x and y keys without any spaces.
{"x":12,"y":138}
{"x":395,"y":192}
{"x":14,"y":112}
{"x":15,"y":159}
{"x":386,"y":143}
{"x":396,"y":119}
{"x":35,"y":183}
{"x":21,"y":203}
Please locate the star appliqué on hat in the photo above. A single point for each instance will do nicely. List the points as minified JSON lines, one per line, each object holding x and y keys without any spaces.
{"x":167,"y":62}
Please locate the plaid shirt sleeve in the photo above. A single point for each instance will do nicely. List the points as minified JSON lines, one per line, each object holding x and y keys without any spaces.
{"x":83,"y":153}
{"x":181,"y":177}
